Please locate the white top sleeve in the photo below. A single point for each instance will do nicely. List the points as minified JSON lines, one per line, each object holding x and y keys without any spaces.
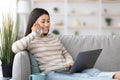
{"x":23,"y":43}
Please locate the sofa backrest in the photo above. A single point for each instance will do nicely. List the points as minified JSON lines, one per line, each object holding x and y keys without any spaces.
{"x":109,"y":59}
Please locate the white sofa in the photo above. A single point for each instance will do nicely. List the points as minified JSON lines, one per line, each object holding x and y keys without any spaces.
{"x":109,"y":60}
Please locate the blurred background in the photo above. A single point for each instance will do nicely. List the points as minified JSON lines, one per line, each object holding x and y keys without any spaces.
{"x":69,"y":17}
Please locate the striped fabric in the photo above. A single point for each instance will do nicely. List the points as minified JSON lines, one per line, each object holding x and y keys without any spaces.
{"x":48,"y":51}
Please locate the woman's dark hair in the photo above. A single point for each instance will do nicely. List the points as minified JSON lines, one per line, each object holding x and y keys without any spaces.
{"x":34,"y":15}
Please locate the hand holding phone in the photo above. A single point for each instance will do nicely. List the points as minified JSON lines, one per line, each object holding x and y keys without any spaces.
{"x":36,"y":28}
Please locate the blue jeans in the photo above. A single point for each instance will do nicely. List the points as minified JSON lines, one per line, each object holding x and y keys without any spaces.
{"x":87,"y":74}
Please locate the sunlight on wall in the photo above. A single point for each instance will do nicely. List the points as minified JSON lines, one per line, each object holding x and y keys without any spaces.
{"x":7,"y":7}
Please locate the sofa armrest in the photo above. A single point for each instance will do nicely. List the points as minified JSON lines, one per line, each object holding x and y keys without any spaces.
{"x":21,"y":66}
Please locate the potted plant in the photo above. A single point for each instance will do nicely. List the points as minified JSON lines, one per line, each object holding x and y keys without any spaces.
{"x":8,"y":34}
{"x":55,"y":9}
{"x":108,"y":21}
{"x":56,"y":32}
{"x":76,"y":33}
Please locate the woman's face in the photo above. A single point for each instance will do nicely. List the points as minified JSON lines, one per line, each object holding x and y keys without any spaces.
{"x":44,"y":23}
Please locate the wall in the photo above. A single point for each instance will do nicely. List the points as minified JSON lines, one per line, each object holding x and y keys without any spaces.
{"x":87,"y":18}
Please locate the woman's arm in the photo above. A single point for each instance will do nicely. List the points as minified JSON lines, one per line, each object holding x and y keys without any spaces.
{"x":67,"y":56}
{"x":23,"y":43}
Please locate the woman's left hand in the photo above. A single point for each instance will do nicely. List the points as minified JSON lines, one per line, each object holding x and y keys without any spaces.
{"x":70,"y":64}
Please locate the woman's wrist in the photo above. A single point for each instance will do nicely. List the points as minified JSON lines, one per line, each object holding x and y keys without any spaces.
{"x":34,"y":33}
{"x":68,"y":62}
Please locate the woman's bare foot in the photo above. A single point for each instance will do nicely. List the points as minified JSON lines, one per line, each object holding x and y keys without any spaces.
{"x":117,"y":76}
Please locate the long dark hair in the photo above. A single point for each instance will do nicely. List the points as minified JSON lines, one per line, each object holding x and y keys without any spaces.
{"x":34,"y":15}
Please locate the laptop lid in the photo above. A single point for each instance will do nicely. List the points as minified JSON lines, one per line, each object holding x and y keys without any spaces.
{"x":85,"y":60}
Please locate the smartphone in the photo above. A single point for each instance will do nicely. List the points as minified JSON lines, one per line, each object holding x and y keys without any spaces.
{"x":39,"y":31}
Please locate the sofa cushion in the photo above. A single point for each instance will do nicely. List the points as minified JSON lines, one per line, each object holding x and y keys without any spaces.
{"x":34,"y":64}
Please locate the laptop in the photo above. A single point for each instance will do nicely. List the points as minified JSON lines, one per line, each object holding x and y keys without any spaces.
{"x":84,"y":60}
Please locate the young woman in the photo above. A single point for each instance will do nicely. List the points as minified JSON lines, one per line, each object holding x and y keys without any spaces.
{"x":48,"y":50}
